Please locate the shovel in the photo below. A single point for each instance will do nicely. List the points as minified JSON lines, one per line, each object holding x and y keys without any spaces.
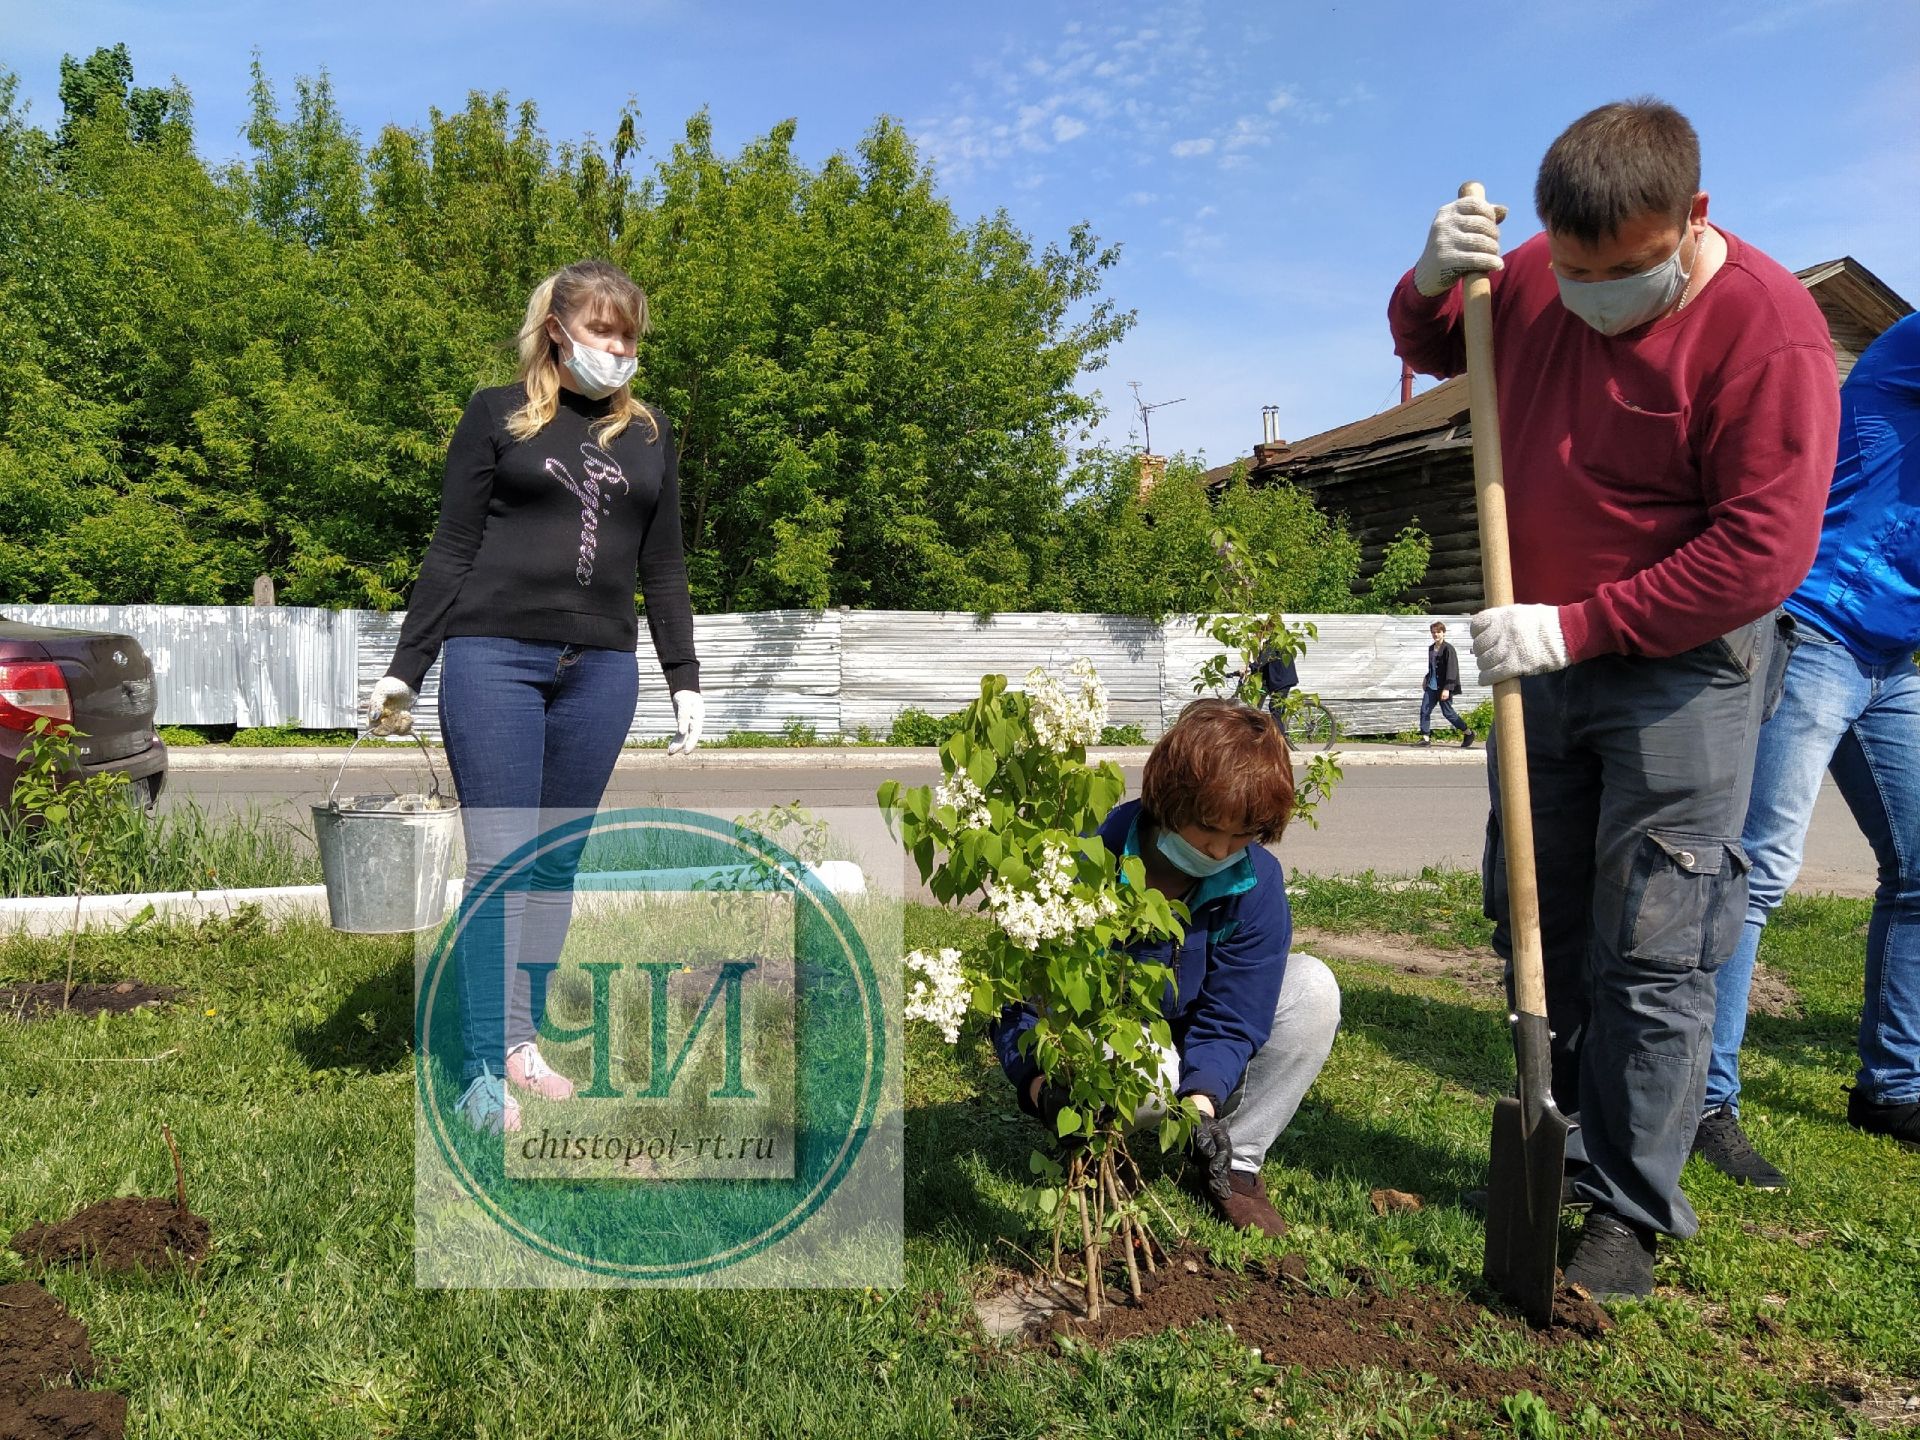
{"x":1529,"y":1134}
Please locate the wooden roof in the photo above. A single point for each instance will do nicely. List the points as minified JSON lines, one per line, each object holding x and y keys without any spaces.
{"x":1437,"y":418}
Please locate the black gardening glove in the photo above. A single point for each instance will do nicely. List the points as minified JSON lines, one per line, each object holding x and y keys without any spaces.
{"x":1046,"y":1109}
{"x":1212,"y":1149}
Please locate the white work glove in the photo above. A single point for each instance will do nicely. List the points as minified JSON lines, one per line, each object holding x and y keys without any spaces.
{"x":689,"y":714}
{"x":1514,"y":640}
{"x":1464,"y":240}
{"x":390,"y":707}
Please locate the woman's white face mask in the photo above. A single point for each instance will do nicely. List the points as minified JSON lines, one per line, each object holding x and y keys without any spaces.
{"x":597,"y":373}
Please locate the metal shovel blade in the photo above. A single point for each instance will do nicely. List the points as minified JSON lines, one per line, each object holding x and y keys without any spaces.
{"x":1523,"y":1184}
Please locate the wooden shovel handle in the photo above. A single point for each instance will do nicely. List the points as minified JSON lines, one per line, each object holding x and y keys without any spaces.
{"x":1509,"y":723}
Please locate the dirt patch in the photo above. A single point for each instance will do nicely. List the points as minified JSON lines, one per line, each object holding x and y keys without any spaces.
{"x":1386,"y":1202}
{"x":138,"y":1232}
{"x":1883,"y":1404}
{"x":38,"y":1001}
{"x":1272,"y":1310}
{"x":1478,"y":970}
{"x":1772,"y":995}
{"x":43,"y":1354}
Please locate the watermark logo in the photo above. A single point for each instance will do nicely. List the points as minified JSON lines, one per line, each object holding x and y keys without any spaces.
{"x":715,"y":1080}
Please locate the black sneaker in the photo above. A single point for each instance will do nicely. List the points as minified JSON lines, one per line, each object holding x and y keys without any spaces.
{"x":1724,"y":1145}
{"x":1466,"y":741}
{"x":1614,"y":1260}
{"x":1898,"y":1122}
{"x":1426,"y":740}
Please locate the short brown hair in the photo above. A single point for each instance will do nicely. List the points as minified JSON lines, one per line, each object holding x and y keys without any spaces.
{"x":1222,"y":764}
{"x":1630,"y":158}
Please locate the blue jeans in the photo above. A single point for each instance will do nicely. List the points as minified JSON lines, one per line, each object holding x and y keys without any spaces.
{"x":532,"y":731}
{"x":1431,"y":698}
{"x":1861,"y":722}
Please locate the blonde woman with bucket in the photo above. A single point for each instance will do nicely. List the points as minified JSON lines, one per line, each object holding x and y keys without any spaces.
{"x":561,"y":495}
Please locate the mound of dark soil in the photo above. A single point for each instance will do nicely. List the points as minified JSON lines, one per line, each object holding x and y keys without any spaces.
{"x":43,"y":1354}
{"x":138,"y":1232}
{"x":40,"y":1000}
{"x":1411,"y":1332}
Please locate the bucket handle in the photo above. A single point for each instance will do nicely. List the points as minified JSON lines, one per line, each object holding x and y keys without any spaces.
{"x":333,"y":790}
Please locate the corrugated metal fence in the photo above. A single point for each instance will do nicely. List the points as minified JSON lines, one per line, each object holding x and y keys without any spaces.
{"x":831,"y":670}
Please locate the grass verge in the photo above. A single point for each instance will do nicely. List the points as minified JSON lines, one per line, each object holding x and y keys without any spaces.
{"x":287,"y":1077}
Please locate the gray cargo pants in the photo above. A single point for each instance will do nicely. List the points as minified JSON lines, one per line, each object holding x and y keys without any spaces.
{"x":1640,"y":770}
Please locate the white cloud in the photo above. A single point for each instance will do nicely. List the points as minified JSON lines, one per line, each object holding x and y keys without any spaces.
{"x":1142,"y":197}
{"x":1066,"y":127}
{"x":1185,"y":149}
{"x":1285,"y":98}
{"x":1248,"y":131}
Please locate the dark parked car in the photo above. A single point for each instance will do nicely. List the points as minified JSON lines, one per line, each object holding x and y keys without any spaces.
{"x":100,"y":684}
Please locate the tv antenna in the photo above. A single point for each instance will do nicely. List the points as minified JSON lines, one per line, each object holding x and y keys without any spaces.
{"x":1146,"y":413}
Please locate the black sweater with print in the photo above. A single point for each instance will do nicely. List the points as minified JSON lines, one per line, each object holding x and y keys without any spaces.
{"x":545,"y":539}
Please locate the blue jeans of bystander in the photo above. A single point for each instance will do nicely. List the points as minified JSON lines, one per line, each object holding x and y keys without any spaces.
{"x":1862,"y":723}
{"x":532,"y":730}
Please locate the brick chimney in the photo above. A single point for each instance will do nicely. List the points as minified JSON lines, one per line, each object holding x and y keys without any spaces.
{"x":1153,"y":469}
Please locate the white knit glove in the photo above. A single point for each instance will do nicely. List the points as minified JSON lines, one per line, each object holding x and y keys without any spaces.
{"x":1464,"y":240}
{"x":390,"y":707}
{"x":1514,"y":640}
{"x":689,"y":714}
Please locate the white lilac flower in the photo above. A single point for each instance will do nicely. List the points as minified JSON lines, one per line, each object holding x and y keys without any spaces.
{"x":1050,"y":911}
{"x":1067,"y":713}
{"x":942,"y":994}
{"x":959,"y":791}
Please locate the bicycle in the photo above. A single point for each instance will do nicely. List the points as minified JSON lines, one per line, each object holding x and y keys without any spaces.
{"x":1304,"y":719}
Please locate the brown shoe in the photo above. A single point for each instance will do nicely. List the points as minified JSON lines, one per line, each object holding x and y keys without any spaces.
{"x":1247,"y":1207}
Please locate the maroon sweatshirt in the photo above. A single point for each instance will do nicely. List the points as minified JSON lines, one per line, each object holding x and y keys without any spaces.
{"x":1664,"y":485}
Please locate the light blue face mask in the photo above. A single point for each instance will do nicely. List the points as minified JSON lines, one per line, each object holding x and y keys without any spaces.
{"x":1612,"y":306}
{"x":1189,"y":859}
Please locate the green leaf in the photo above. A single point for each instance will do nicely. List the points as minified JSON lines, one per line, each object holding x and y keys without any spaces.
{"x":1068,"y":1122}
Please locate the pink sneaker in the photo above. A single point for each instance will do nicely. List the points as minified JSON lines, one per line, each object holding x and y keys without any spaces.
{"x":527,"y":1069}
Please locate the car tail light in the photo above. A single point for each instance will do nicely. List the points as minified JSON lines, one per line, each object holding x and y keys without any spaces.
{"x":30,"y":690}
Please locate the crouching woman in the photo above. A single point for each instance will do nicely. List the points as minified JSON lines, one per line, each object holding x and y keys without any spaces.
{"x":1251,"y":1024}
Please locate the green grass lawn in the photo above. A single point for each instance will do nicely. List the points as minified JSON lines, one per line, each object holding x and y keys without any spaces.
{"x":286,"y":1074}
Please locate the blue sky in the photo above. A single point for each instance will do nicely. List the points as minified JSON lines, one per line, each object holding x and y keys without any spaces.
{"x":1269,"y":168}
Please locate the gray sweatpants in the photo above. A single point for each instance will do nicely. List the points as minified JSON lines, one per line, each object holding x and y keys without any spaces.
{"x":1282,"y":1071}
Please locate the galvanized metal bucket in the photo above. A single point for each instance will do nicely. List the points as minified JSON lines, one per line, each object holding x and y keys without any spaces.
{"x":386,"y":859}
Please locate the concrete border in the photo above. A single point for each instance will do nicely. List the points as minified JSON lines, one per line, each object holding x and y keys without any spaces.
{"x":328,"y":758}
{"x":56,"y":915}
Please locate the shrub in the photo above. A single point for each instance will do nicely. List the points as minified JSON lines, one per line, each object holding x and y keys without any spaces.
{"x":914,"y":726}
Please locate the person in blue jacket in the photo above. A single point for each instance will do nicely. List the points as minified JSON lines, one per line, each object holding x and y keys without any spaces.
{"x":1251,"y":1024}
{"x":1850,"y":707}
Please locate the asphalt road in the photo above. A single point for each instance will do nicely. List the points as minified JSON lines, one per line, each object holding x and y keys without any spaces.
{"x":1390,"y":818}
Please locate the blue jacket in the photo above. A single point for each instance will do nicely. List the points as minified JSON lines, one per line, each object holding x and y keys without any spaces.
{"x":1864,"y":588}
{"x":1226,"y":975}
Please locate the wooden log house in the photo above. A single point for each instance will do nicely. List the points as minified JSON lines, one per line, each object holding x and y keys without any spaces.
{"x":1413,"y":464}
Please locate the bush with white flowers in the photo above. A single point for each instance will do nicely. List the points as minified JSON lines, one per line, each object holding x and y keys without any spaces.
{"x":1012,"y":823}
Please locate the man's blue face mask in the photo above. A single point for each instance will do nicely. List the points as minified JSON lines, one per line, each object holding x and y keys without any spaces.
{"x":1188,"y":858}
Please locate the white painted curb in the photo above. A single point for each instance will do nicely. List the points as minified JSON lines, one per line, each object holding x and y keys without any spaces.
{"x":56,"y":915}
{"x":325,"y":762}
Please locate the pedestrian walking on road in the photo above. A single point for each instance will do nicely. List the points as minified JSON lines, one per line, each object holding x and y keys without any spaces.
{"x":1667,"y":471}
{"x":1851,"y":708}
{"x":561,"y":493}
{"x":1443,"y":683}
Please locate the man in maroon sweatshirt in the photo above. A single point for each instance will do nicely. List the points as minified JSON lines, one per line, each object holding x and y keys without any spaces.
{"x":1668,"y":418}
